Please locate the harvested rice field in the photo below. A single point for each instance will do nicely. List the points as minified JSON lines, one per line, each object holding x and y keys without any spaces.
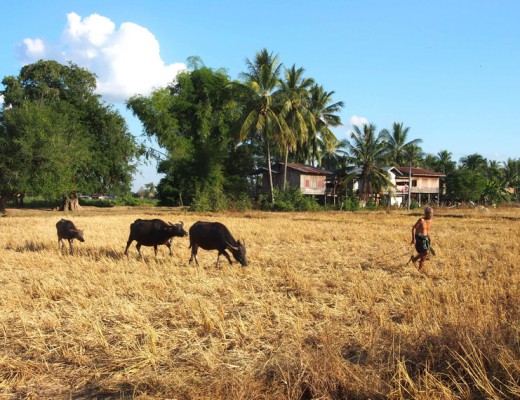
{"x":328,"y":308}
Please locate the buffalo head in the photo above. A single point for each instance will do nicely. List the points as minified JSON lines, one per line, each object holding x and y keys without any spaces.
{"x":176,"y":229}
{"x":239,"y":252}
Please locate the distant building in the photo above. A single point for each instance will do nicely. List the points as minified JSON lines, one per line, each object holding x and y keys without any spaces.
{"x":310,"y":180}
{"x":425,"y":184}
{"x":390,"y":192}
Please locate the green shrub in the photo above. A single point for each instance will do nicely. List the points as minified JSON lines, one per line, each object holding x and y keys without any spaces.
{"x":241,"y":202}
{"x":352,"y":203}
{"x":371,"y":205}
{"x":209,"y":199}
{"x":292,"y":199}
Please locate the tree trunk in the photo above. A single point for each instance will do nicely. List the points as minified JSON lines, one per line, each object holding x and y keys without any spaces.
{"x":271,"y":186}
{"x":70,"y":203}
{"x":285,"y":167}
{"x":3,"y":204}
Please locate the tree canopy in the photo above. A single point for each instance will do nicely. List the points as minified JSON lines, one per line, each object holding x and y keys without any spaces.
{"x":59,"y":137}
{"x":193,"y":121}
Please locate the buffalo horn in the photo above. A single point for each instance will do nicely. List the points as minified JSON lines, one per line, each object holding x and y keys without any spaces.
{"x":231,"y":247}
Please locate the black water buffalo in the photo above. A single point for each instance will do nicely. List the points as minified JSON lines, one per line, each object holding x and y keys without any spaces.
{"x":154,"y":232}
{"x":67,"y":230}
{"x":215,"y":236}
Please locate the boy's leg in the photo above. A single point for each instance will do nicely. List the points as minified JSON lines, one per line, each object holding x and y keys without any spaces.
{"x":422,"y":260}
{"x":414,"y":260}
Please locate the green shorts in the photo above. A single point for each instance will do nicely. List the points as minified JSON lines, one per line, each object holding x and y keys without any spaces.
{"x":422,"y":243}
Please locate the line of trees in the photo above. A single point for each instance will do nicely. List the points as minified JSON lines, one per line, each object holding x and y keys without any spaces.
{"x":474,"y":178}
{"x":58,"y":138}
{"x":216,"y":131}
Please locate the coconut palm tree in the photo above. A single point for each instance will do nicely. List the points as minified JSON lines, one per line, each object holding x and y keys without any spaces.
{"x":337,"y":158}
{"x":321,"y":138}
{"x":261,"y":95}
{"x":368,"y":152}
{"x":444,"y":162}
{"x":294,"y":88}
{"x":396,"y":143}
{"x":511,"y":169}
{"x":414,"y":155}
{"x":474,"y":162}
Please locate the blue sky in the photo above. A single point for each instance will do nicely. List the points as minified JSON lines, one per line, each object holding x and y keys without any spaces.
{"x":449,"y":70}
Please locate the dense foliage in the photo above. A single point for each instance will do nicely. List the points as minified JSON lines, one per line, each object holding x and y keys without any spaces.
{"x":193,"y":121}
{"x":215,"y":134}
{"x":57,"y":137}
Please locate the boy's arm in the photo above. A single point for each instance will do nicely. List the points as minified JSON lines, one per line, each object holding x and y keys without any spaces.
{"x":414,"y":228}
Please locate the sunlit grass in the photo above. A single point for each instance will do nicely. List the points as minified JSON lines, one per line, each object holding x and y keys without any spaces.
{"x":328,"y":308}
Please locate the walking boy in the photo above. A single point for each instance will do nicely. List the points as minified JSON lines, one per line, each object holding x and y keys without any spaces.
{"x":421,"y":238}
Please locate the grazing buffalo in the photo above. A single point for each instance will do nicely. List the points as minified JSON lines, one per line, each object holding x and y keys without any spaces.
{"x":154,"y":232}
{"x":67,"y":230}
{"x":215,"y":236}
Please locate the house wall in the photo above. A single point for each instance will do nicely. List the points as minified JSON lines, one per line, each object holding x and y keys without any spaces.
{"x":312,"y":184}
{"x":308,"y":184}
{"x":423,"y":184}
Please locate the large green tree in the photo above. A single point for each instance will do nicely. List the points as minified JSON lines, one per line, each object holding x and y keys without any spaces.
{"x":465,"y":185}
{"x":193,"y":121}
{"x":61,"y":138}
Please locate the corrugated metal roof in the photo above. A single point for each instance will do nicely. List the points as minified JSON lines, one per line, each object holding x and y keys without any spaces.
{"x":419,"y":172}
{"x":308,"y":169}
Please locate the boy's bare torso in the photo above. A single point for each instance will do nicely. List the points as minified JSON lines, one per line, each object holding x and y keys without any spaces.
{"x":422,"y":227}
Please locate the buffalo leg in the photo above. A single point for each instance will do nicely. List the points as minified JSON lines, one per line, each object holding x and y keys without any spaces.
{"x":138,"y":247}
{"x":194,"y":249}
{"x":169,"y":245}
{"x":71,"y":247}
{"x":155,"y":250}
{"x":224,"y":252}
{"x":127,"y":246}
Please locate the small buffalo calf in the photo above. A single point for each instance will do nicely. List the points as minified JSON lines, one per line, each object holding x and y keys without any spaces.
{"x":67,"y":230}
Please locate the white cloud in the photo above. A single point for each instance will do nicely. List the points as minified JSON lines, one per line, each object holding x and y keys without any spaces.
{"x":36,"y":47}
{"x":357,"y":121}
{"x":126,"y":61}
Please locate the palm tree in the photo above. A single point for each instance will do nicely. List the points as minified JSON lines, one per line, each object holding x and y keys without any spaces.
{"x":321,"y":139}
{"x":414,"y":154}
{"x":494,"y":170}
{"x":368,"y":152}
{"x":261,"y":95}
{"x":444,"y":162}
{"x":336,"y":158}
{"x":511,"y":169}
{"x":294,"y":89}
{"x":474,"y":162}
{"x":396,"y":144}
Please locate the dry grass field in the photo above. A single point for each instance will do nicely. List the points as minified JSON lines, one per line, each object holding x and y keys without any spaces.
{"x":328,"y":308}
